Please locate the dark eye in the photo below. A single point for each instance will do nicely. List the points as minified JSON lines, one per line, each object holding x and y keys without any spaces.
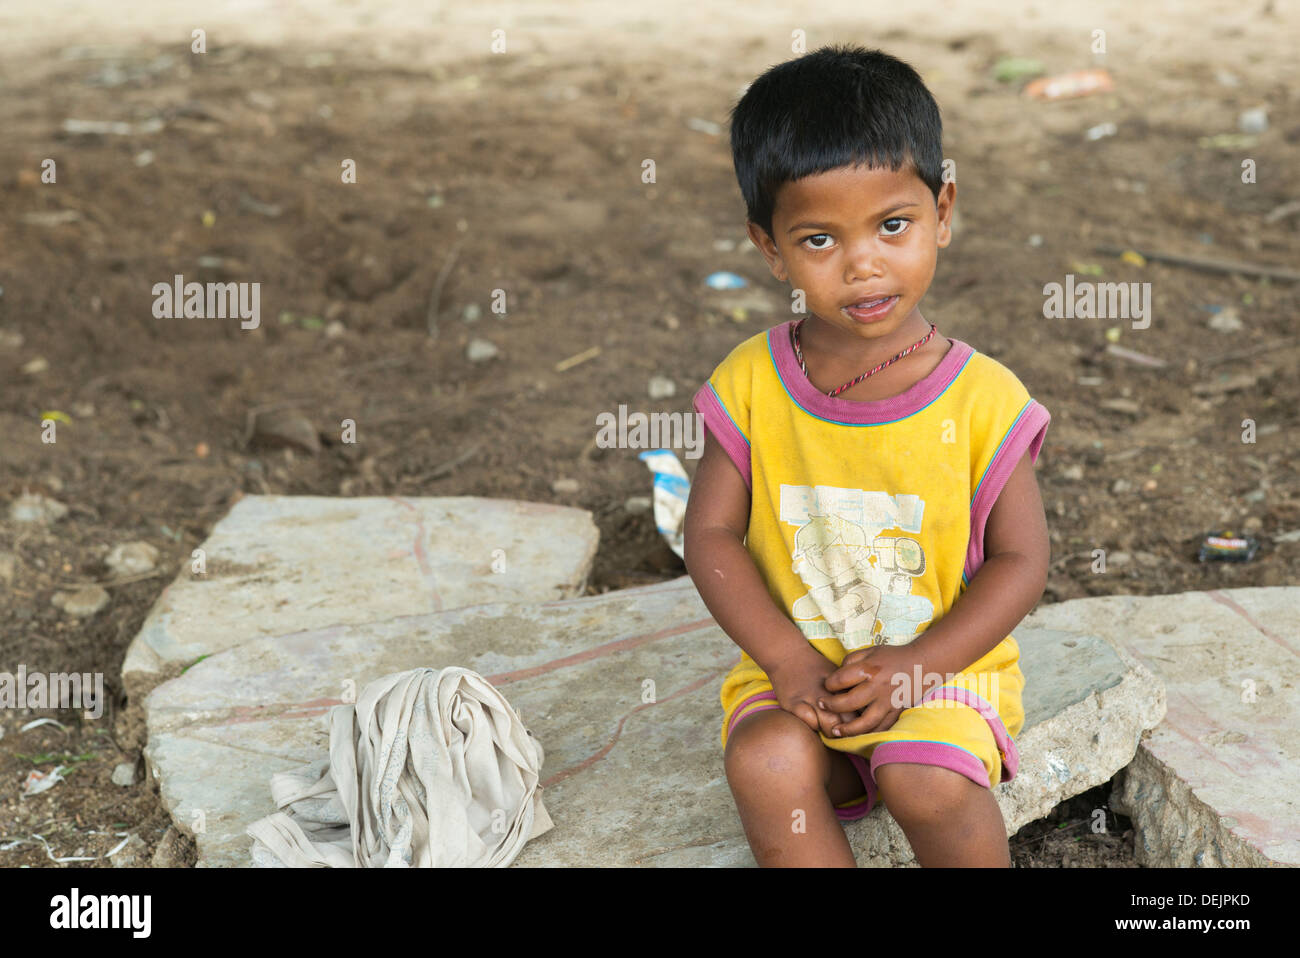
{"x":897,"y":219}
{"x":804,"y":241}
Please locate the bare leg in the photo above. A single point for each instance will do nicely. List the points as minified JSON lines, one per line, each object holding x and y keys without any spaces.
{"x":785,"y":781}
{"x":950,"y":821}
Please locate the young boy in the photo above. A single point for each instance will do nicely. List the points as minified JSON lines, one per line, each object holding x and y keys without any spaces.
{"x":859,"y":470}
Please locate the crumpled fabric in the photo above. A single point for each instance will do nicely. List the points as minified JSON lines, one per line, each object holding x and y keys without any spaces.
{"x":430,"y":768}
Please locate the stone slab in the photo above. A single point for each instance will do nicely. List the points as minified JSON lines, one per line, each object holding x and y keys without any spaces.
{"x":622,"y":691}
{"x":1216,"y":783}
{"x":282,"y":564}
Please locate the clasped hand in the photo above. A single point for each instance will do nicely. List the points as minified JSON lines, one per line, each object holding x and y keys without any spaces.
{"x":875,"y":682}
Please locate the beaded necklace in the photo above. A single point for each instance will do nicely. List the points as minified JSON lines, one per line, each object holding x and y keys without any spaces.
{"x":794,"y":333}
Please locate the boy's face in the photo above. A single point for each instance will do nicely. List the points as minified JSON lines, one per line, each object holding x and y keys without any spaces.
{"x":855,"y":232}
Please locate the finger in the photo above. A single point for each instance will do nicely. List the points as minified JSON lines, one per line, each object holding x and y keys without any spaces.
{"x":854,"y":700}
{"x":828,"y":721}
{"x":886,"y":723}
{"x":847,"y":676}
{"x":809,"y":715}
{"x":857,"y":725}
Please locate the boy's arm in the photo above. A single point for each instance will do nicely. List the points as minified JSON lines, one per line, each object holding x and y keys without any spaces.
{"x":1005,"y":588}
{"x":717,"y":517}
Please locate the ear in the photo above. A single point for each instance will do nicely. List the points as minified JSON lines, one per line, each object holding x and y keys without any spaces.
{"x":765,"y":245}
{"x":944,"y":205}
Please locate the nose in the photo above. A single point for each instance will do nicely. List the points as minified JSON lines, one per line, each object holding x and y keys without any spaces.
{"x":865,"y":260}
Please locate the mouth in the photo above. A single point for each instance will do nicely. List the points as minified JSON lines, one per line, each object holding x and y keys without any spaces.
{"x":871,"y":308}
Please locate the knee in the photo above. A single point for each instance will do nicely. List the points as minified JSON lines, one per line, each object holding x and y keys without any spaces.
{"x":773,"y":748}
{"x":922,"y":793}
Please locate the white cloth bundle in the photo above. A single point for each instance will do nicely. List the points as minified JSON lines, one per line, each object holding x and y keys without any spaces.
{"x":430,"y":768}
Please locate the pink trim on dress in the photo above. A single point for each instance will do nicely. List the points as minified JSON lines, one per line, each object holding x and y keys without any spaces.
{"x":1006,"y":745}
{"x":1026,"y":433}
{"x":869,"y":412}
{"x":725,"y":431}
{"x":931,"y":753}
{"x":739,"y":713}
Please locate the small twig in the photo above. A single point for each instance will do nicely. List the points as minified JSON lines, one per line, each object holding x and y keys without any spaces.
{"x":436,"y":296}
{"x":577,"y":358}
{"x":1253,"y":350}
{"x":1207,"y":265}
{"x":451,"y":464}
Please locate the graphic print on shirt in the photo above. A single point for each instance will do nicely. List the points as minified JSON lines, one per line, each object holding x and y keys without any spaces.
{"x":859,"y":581}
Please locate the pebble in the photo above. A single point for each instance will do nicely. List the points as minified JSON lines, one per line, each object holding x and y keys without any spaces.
{"x":1253,"y":121}
{"x":637,"y":504}
{"x":284,"y":427}
{"x":1252,"y":524}
{"x":1118,"y":559}
{"x":661,"y":387}
{"x":1072,"y":472}
{"x":33,"y":507}
{"x":481,"y":350}
{"x":564,"y":486}
{"x":1120,"y":485}
{"x":132,"y":854}
{"x":1127,"y":406}
{"x":471,"y":313}
{"x":82,"y":603}
{"x":132,"y":558}
{"x":124,"y":774}
{"x":1226,"y":321}
{"x":334,"y":329}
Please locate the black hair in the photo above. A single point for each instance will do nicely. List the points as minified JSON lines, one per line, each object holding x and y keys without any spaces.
{"x":840,"y":105}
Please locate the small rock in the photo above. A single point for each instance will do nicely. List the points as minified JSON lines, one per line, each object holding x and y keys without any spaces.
{"x":669,"y":320}
{"x":1253,"y":121}
{"x":33,"y":507}
{"x":1127,"y":406}
{"x":661,"y":387}
{"x":1035,"y":240}
{"x":1074,"y":472}
{"x":124,"y":774}
{"x":334,"y":329}
{"x":132,"y":558}
{"x":8,"y":566}
{"x":1149,"y":485}
{"x":1118,"y":559}
{"x":36,"y":366}
{"x":481,"y":350}
{"x":564,"y":486}
{"x":172,"y":848}
{"x":132,"y":854}
{"x":1226,"y":321}
{"x":471,"y":313}
{"x":1252,"y":524}
{"x":637,"y":504}
{"x":1120,"y":485}
{"x":10,"y":339}
{"x":284,"y":427}
{"x":82,"y":603}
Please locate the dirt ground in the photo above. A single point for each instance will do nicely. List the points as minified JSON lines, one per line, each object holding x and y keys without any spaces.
{"x":522,"y":172}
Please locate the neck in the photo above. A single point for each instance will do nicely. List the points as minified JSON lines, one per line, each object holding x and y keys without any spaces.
{"x":864,"y":352}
